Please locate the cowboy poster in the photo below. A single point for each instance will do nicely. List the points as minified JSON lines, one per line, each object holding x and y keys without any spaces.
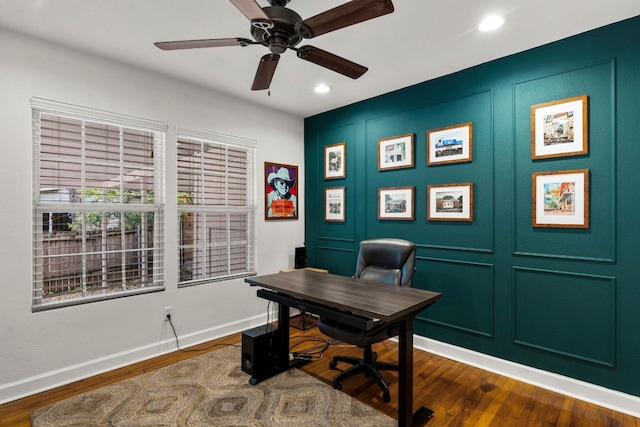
{"x":281,"y":191}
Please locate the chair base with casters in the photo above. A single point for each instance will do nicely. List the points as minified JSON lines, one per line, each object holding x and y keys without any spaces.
{"x":367,"y":365}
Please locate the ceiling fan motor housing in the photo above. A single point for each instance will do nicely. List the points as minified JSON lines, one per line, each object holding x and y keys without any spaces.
{"x":279,"y":33}
{"x":278,"y":2}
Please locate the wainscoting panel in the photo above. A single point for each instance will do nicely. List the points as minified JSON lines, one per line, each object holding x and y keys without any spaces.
{"x":343,"y":231}
{"x":343,"y":261}
{"x":467,"y":288}
{"x":570,"y":314}
{"x":474,"y":236}
{"x":598,"y":82}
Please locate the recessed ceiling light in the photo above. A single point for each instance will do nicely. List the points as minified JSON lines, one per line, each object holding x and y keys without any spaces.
{"x":322,"y":88}
{"x":491,"y":23}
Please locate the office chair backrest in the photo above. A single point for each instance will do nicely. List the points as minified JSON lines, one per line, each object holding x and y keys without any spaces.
{"x":390,"y":261}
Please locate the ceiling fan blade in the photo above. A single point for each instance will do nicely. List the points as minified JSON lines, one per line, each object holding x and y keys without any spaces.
{"x":344,"y":15}
{"x":250,"y":9}
{"x":193,"y":44}
{"x":266,"y":70}
{"x":333,"y":62}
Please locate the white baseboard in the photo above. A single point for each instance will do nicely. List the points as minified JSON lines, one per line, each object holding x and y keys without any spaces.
{"x":601,"y":396}
{"x":52,"y":379}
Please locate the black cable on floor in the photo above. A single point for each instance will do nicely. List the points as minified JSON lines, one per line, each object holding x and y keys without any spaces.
{"x":194,"y":349}
{"x":312,"y":353}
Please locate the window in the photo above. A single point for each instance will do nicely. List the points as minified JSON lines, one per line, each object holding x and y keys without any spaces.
{"x":98,"y":205}
{"x":216,"y":207}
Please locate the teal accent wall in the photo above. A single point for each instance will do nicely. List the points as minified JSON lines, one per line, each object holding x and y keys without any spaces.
{"x":565,"y":300}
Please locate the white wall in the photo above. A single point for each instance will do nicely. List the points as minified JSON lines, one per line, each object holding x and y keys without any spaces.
{"x":42,"y":350}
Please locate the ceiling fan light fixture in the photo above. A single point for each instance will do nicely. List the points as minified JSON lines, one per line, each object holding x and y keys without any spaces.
{"x":322,"y":88}
{"x":491,"y":23}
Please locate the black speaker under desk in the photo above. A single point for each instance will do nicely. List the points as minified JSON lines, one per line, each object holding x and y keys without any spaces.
{"x":260,"y":353}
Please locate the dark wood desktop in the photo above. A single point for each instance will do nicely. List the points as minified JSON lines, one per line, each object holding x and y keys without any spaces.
{"x":356,"y":302}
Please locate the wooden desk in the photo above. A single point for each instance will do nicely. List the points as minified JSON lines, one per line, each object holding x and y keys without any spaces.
{"x":354,"y":301}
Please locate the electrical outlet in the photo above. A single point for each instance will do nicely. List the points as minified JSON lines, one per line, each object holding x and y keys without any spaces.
{"x":168,"y":313}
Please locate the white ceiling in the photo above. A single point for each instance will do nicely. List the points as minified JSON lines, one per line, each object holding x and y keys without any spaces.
{"x":419,"y":41}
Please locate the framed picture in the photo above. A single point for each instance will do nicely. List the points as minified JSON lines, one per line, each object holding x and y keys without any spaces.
{"x":335,"y":161}
{"x":395,"y":203}
{"x":395,"y":152}
{"x":450,"y":202}
{"x":559,"y":128}
{"x":561,"y":199}
{"x":334,"y":204}
{"x":451,"y":144}
{"x":281,"y":191}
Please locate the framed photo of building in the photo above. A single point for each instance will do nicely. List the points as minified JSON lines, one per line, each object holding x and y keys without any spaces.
{"x":281,"y":191}
{"x":395,"y":152}
{"x":334,"y":208}
{"x":451,"y":144}
{"x":450,"y":202}
{"x":335,"y":161}
{"x":395,"y":203}
{"x":561,"y":199}
{"x":560,"y":128}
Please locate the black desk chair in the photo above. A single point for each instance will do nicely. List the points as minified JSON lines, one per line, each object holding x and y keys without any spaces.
{"x":389,"y":261}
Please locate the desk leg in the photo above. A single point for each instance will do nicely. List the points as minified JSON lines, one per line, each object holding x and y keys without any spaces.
{"x":406,"y":417}
{"x":405,"y":373}
{"x":283,"y":336}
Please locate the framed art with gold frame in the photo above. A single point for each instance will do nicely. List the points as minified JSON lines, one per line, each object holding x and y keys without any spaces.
{"x":450,"y":144}
{"x":560,"y":199}
{"x":335,"y":161}
{"x":450,"y":202}
{"x":560,"y":128}
{"x":395,"y":152}
{"x":395,"y":203}
{"x":334,"y":208}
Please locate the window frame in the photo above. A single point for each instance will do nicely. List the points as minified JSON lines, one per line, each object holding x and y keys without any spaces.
{"x":249,"y":209}
{"x":123,"y":123}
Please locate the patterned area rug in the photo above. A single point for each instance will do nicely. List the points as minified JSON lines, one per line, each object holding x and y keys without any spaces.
{"x":212,"y":390}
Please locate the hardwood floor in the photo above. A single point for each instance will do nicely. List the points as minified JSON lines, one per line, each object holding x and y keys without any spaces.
{"x":458,"y":394}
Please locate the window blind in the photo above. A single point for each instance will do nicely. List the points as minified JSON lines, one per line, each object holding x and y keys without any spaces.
{"x":216,"y":207}
{"x":98,"y":205}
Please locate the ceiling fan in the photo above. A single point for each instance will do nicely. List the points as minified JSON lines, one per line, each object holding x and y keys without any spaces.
{"x":279,"y":28}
